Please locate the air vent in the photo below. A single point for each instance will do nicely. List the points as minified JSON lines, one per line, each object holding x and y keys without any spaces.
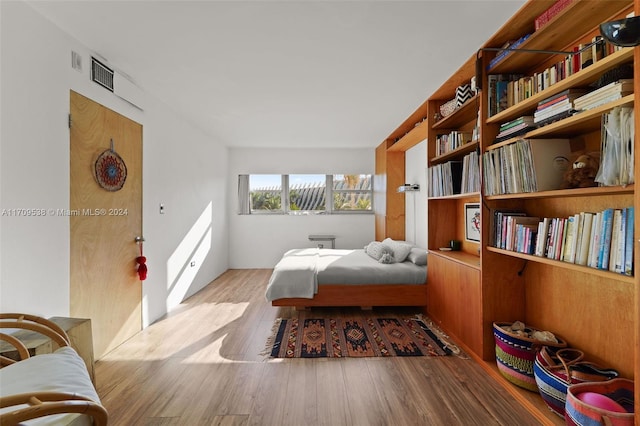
{"x":101,"y":74}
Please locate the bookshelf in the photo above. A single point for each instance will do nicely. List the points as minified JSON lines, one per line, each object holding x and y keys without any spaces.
{"x":594,"y":310}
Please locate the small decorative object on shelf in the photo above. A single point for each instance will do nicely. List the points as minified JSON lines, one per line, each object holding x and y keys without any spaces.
{"x":600,"y":403}
{"x":448,"y":108}
{"x":472,"y":224}
{"x":516,"y":347}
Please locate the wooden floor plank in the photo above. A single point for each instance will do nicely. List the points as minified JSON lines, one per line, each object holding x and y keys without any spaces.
{"x":203,"y":364}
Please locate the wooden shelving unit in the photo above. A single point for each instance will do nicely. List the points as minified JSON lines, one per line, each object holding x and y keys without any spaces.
{"x":594,"y":310}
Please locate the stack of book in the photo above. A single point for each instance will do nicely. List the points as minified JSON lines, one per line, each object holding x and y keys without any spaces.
{"x":445,"y":179}
{"x":557,"y":107}
{"x":527,"y":165}
{"x":506,"y":90}
{"x":451,"y":141}
{"x":605,"y":94}
{"x":517,"y":127}
{"x":550,"y":13}
{"x":514,"y":231}
{"x":617,"y":152}
{"x":508,"y":48}
{"x":601,"y":240}
{"x":470,"y":173}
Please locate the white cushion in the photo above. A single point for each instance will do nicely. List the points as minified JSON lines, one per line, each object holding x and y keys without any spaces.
{"x":61,"y":371}
{"x":418,"y":256}
{"x":400,"y":249}
{"x":379,"y":251}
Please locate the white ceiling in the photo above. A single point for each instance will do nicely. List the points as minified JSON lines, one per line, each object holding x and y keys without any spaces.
{"x":294,"y":73}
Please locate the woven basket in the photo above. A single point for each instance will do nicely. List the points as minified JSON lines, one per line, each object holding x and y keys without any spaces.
{"x":515,"y":355}
{"x":447,"y":108}
{"x":556,"y":369}
{"x":578,"y":412}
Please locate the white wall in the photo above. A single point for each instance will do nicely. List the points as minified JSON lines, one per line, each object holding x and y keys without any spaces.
{"x":258,"y":241}
{"x":182,"y":168}
{"x":416,"y":202}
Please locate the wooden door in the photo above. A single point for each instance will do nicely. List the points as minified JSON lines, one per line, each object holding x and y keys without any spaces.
{"x":104,"y":224}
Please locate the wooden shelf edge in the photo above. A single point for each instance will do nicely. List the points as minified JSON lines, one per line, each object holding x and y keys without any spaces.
{"x":531,"y":401}
{"x":553,"y":35}
{"x":588,"y":74}
{"x":575,"y":192}
{"x":464,"y":149}
{"x":566,"y":265}
{"x":569,"y":123}
{"x":456,"y":196}
{"x":412,"y":138}
{"x":464,"y":113}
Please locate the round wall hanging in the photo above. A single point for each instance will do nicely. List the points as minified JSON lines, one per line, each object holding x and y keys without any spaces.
{"x":111,"y":172}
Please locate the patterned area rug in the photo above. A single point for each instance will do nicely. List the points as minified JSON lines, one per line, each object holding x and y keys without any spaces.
{"x":356,"y":337}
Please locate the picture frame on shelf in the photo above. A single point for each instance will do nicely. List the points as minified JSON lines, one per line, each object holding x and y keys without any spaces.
{"x":472,"y":224}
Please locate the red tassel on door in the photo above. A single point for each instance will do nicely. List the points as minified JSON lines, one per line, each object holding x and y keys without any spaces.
{"x":142,"y":267}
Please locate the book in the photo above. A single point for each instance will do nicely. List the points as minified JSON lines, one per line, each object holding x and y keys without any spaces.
{"x":512,"y":225}
{"x":559,"y":238}
{"x":616,"y":251}
{"x":501,"y":95}
{"x":570,"y":94}
{"x":550,"y":13}
{"x":517,"y":121}
{"x":541,"y":239}
{"x":527,"y":165}
{"x":568,"y":248}
{"x":605,"y":239}
{"x":495,"y":227}
{"x":594,"y":241}
{"x":556,"y":117}
{"x":552,"y":111}
{"x":628,"y":247}
{"x":584,"y":238}
{"x":579,"y":223}
{"x":607,"y":93}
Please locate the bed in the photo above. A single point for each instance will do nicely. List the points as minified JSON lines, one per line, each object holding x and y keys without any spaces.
{"x":314,"y":277}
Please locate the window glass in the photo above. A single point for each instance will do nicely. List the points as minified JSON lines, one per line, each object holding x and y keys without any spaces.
{"x":352,"y":192}
{"x":304,"y":194}
{"x":307,"y":192}
{"x":266,"y":193}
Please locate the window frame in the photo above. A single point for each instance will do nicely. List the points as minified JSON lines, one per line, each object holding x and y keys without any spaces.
{"x":329,"y":193}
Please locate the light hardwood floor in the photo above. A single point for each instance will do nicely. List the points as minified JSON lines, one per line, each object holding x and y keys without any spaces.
{"x":202,"y":365}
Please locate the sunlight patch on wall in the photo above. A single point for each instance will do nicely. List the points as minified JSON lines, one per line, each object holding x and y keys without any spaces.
{"x":188,"y":257}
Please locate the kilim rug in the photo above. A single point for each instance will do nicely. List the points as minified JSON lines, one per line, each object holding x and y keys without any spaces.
{"x":355,"y":337}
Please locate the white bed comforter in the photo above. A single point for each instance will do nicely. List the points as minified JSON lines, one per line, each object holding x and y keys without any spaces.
{"x":300,"y":271}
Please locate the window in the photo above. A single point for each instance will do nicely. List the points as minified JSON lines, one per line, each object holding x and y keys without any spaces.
{"x":305,"y":194}
{"x":351,"y":192}
{"x":266,"y":193}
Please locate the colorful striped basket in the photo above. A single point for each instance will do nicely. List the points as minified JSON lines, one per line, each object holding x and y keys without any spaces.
{"x":580,"y":413}
{"x":555,"y":370}
{"x":515,"y":355}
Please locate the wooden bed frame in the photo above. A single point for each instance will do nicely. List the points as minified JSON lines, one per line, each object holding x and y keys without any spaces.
{"x":363,"y":295}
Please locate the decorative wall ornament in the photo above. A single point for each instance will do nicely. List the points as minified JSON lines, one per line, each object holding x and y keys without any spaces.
{"x":111,"y":172}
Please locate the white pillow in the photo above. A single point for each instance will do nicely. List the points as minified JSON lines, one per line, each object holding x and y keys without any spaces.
{"x":400,"y":249}
{"x":418,"y":256}
{"x":380,"y":252}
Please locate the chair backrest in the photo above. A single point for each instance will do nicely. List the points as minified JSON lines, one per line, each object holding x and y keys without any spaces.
{"x":33,"y":323}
